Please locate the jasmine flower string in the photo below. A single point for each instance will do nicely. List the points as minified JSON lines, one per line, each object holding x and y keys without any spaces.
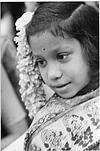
{"x":31,"y":89}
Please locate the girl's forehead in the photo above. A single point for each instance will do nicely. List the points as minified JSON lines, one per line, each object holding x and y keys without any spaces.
{"x":46,"y":42}
{"x":43,"y":39}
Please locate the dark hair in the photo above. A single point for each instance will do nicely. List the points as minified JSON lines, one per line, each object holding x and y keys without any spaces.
{"x":74,"y":19}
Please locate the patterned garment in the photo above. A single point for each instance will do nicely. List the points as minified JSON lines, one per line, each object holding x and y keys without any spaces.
{"x":66,"y":126}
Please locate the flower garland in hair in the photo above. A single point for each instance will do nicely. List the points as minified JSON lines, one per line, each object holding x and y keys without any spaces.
{"x":31,"y":88}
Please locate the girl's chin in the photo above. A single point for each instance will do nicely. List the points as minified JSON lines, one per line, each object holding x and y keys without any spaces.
{"x":69,"y":93}
{"x":67,"y":96}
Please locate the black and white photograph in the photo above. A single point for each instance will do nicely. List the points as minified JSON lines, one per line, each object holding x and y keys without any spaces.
{"x":50,"y":76}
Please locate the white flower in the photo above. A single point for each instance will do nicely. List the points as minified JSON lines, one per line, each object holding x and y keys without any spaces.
{"x":25,"y":19}
{"x":31,"y":89}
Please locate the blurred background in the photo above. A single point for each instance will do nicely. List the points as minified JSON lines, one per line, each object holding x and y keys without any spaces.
{"x":14,"y":116}
{"x":14,"y":119}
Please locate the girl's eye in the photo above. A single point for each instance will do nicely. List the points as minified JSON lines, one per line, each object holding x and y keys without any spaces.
{"x":41,"y":63}
{"x":63,"y":57}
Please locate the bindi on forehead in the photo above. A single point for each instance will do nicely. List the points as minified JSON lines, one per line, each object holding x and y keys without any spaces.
{"x":44,"y":49}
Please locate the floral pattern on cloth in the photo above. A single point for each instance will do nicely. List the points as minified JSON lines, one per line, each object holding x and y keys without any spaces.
{"x":55,"y":140}
{"x":92,"y":111}
{"x":94,"y":147}
{"x":79,"y":130}
{"x":76,"y":131}
{"x":34,"y":147}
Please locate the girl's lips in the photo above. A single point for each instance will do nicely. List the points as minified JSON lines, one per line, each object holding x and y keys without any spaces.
{"x":61,"y":86}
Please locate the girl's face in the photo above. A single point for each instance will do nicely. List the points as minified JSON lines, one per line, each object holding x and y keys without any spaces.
{"x":61,"y":63}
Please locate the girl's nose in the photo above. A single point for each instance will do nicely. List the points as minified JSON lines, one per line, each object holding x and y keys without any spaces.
{"x":54,"y":72}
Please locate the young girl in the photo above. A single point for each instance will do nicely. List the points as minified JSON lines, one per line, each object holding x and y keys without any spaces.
{"x":59,"y":47}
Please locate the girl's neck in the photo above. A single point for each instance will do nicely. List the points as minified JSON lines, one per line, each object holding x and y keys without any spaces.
{"x":90,"y":87}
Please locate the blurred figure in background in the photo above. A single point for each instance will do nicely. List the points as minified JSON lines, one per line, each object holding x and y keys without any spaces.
{"x":10,"y":12}
{"x":7,"y":26}
{"x":13,"y":114}
{"x":15,"y":119}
